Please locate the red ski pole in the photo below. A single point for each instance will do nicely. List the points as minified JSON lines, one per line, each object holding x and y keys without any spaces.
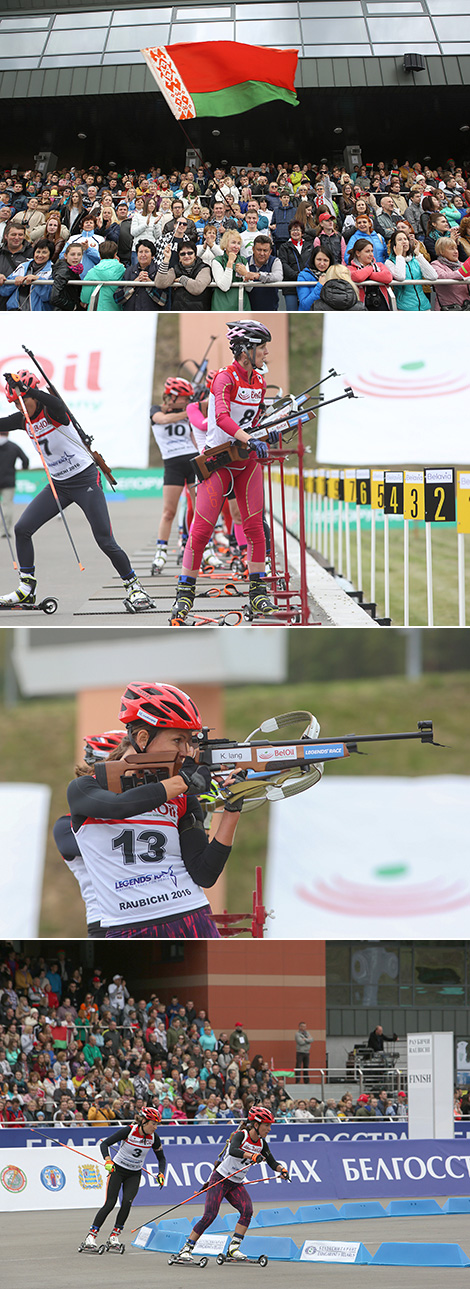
{"x":201,"y":1192}
{"x":74,"y":1149}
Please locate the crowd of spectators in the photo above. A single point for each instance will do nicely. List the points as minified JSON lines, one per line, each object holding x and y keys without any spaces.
{"x":225,"y":238}
{"x":76,"y":1049}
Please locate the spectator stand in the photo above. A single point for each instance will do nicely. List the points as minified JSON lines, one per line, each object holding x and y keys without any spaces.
{"x":342,"y":505}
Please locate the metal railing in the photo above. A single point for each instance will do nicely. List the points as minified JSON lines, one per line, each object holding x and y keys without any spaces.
{"x":283,"y":287}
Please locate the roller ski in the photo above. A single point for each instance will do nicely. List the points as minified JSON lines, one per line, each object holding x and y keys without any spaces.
{"x":24,"y":598}
{"x":137,"y":600}
{"x":159,"y":561}
{"x":186,"y":1258}
{"x":185,"y":592}
{"x":234,"y":1254}
{"x":90,"y":1245}
{"x":114,"y":1245}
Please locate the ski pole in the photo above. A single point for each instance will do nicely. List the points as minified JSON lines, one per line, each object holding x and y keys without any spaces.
{"x":51,"y":481}
{"x":7,"y":535}
{"x":56,"y":1142}
{"x":201,"y":1192}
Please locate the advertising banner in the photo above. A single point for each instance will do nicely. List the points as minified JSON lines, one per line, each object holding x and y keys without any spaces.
{"x":36,"y":1179}
{"x":407,"y":390}
{"x":104,"y":374}
{"x":366,"y":860}
{"x":129,"y":484}
{"x":213,"y":1137}
{"x":24,"y":811}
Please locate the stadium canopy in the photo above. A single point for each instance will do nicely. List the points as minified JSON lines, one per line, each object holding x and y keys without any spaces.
{"x":352,"y":85}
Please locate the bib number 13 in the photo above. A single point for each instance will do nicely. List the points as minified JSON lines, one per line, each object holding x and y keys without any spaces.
{"x":156,"y":845}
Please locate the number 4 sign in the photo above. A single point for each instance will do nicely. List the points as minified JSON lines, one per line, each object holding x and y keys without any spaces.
{"x":439,"y":496}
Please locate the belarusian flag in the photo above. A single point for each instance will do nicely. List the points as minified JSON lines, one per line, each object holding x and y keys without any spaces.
{"x":221,"y":78}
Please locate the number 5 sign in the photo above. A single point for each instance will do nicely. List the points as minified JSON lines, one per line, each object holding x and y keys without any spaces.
{"x":439,"y":496}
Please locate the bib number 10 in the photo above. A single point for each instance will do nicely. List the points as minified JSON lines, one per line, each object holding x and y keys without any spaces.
{"x":156,"y":845}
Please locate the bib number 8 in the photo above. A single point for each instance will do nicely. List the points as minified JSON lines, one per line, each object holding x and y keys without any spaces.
{"x":156,"y":846}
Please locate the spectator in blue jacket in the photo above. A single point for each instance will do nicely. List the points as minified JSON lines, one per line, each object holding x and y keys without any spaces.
{"x":281,"y":219}
{"x":364,"y":228}
{"x":314,"y":276}
{"x":30,"y":284}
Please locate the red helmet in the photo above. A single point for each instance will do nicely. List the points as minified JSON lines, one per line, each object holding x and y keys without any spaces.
{"x":175,"y":385}
{"x":27,"y":378}
{"x":160,"y":705}
{"x":152,"y":1114}
{"x":259,"y":1114}
{"x":211,"y":375}
{"x":98,"y":746}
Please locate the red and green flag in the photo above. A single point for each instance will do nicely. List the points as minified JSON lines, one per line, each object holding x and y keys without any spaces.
{"x":221,"y":78}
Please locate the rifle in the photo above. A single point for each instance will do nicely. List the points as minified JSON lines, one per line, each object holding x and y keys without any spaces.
{"x":274,"y":770}
{"x":85,"y":438}
{"x":198,"y":380}
{"x":284,"y":417}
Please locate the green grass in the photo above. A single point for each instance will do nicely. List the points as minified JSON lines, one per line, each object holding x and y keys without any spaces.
{"x":40,"y":749}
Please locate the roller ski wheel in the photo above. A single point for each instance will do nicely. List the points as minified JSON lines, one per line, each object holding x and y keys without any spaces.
{"x":177,"y":1261}
{"x":45,"y":606}
{"x":137,"y":600}
{"x":224,"y":1259}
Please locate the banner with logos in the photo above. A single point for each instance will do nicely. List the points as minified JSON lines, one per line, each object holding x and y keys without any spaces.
{"x":103,"y":371}
{"x":407,"y":390}
{"x":214,"y":1136}
{"x":37,"y":1179}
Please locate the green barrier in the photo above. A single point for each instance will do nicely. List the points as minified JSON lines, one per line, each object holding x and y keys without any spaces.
{"x":130,"y":484}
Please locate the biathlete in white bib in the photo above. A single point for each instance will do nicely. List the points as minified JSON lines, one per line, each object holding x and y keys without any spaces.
{"x":97,"y":748}
{"x":172,"y":434}
{"x":125,"y":1172}
{"x":145,"y":848}
{"x":246,"y":1146}
{"x":235,"y":405}
{"x":75,"y":479}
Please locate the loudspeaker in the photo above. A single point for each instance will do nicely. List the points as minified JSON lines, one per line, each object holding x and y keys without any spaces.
{"x":414,"y":63}
{"x":352,"y":157}
{"x":45,"y":162}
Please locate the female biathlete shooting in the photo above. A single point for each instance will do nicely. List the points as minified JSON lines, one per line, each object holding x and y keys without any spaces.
{"x":246,"y":1146}
{"x":125,"y":1172}
{"x":235,"y":405}
{"x":144,"y":847}
{"x":48,"y":425}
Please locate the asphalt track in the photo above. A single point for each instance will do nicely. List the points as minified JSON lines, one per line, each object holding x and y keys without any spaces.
{"x":95,"y":597}
{"x":40,"y":1252}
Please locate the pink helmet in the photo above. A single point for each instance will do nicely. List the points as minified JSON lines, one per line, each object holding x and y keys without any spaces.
{"x":177,"y":386}
{"x":27,"y":378}
{"x":259,"y":1114}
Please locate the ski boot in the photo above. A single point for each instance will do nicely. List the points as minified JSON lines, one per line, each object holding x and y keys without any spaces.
{"x":26,"y":593}
{"x":268,"y":566}
{"x":260,"y":604}
{"x":234,"y":1253}
{"x":114,"y":1245}
{"x":210,"y":559}
{"x":159,"y":560}
{"x":89,"y":1245}
{"x":185,"y":1257}
{"x":137,"y":600}
{"x":185,"y":592}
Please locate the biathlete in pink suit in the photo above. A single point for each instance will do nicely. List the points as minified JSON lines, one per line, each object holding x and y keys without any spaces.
{"x":235,"y":405}
{"x":246,"y":1146}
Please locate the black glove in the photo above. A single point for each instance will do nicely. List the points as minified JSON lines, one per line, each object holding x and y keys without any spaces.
{"x":258,"y":446}
{"x":273,"y":436}
{"x":234,"y":807}
{"x":196,"y":777}
{"x":14,"y":385}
